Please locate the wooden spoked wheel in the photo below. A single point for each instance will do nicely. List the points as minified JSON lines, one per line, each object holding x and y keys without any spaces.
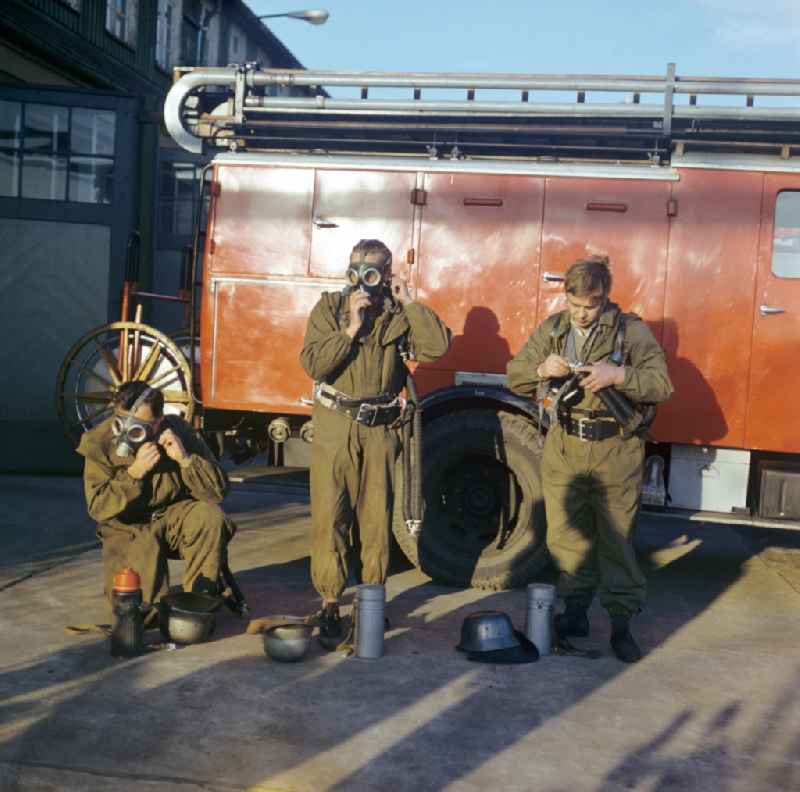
{"x":108,"y":356}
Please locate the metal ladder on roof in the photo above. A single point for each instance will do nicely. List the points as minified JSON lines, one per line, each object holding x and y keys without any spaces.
{"x":477,"y":115}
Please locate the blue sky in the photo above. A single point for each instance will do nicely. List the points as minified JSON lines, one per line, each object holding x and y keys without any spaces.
{"x":744,"y":38}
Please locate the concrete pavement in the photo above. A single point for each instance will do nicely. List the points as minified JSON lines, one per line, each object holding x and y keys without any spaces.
{"x":715,"y":704}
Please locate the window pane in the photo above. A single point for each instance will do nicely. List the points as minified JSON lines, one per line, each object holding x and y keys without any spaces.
{"x":44,"y":177}
{"x":121,"y":19}
{"x":786,"y":240}
{"x":186,"y":183}
{"x":9,"y":173}
{"x":46,"y":128}
{"x":164,"y":34}
{"x":190,"y":33}
{"x":10,"y":124}
{"x":176,"y":218}
{"x":92,"y":131}
{"x":90,"y":180}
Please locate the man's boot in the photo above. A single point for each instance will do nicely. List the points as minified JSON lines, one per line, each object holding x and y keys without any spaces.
{"x":625,"y":648}
{"x":330,"y":626}
{"x":573,"y":622}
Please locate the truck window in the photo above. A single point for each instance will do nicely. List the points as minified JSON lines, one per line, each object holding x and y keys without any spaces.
{"x":786,"y":240}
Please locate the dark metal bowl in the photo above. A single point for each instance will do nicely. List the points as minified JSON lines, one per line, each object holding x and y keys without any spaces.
{"x":187,"y":618}
{"x":486,"y":631}
{"x":288,"y":642}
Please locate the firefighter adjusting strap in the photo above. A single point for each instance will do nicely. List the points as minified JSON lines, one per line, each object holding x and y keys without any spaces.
{"x":375,"y":411}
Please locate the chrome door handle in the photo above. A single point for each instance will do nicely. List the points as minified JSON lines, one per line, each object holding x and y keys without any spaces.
{"x":307,"y":402}
{"x":551,"y":277}
{"x":321,"y":222}
{"x":767,"y":310}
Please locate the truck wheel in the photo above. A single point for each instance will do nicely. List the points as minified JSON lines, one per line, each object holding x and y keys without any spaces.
{"x":484,"y":519}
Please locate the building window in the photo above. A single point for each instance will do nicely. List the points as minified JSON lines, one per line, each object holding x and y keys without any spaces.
{"x":178,"y":193}
{"x":190,"y":32}
{"x":56,"y":153}
{"x":121,"y":20}
{"x":10,"y":147}
{"x":75,"y":5}
{"x":166,"y":10}
{"x":786,"y":238}
{"x":235,"y":48}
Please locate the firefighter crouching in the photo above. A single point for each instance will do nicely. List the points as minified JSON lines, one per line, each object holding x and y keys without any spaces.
{"x":352,"y":349}
{"x":592,"y":466}
{"x":153,"y":486}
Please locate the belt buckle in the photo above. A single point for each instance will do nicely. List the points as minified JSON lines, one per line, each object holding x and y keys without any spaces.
{"x":367,"y":413}
{"x":582,"y":430}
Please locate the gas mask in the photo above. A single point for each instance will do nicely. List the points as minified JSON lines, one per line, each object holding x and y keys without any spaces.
{"x":129,"y":432}
{"x":370,"y":267}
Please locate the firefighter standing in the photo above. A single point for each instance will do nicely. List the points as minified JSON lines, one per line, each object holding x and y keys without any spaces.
{"x":591,"y":469}
{"x":155,"y":498}
{"x":352,"y":349}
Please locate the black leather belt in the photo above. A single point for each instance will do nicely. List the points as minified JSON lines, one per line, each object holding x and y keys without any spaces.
{"x":371,"y":414}
{"x":590,"y":413}
{"x":371,"y":411}
{"x":590,"y":430}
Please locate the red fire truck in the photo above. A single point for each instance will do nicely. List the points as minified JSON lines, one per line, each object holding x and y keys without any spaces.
{"x":486,"y":188}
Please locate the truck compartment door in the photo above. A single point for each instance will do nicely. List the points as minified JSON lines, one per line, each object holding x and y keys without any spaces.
{"x":623,"y":219}
{"x":479,"y":267}
{"x":353,"y":205}
{"x":774,"y":372}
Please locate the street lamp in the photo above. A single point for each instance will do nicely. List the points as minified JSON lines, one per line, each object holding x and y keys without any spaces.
{"x":314,"y":17}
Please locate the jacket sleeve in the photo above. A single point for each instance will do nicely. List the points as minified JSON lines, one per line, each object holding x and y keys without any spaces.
{"x":109,"y":490}
{"x":203,"y":476}
{"x":325,"y":346}
{"x":521,"y":369}
{"x":646,"y":375}
{"x":428,"y":337}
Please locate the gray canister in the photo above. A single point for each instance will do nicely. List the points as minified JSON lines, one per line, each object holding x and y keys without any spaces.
{"x":370,"y":601}
{"x":538,"y":625}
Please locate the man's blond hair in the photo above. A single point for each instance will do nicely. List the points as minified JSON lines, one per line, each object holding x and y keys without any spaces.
{"x":588,"y":276}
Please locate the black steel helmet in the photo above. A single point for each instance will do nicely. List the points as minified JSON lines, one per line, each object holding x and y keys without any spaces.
{"x":490,"y":637}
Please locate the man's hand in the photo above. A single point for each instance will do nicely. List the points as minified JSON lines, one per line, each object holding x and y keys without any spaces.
{"x":553,"y":366}
{"x":601,"y":375}
{"x":146,"y":459}
{"x":400,"y":290}
{"x":173,"y":447}
{"x":358,"y":303}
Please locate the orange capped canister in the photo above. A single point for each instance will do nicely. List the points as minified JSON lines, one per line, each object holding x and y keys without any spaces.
{"x":127,"y":580}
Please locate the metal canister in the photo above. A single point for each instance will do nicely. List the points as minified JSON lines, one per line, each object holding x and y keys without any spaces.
{"x":539,"y":621}
{"x":127,"y":634}
{"x":370,"y":603}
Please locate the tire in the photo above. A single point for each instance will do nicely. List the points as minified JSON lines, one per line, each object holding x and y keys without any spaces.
{"x":484,"y":519}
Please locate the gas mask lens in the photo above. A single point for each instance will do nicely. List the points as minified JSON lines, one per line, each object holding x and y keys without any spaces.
{"x":371,"y":277}
{"x":367,"y":278}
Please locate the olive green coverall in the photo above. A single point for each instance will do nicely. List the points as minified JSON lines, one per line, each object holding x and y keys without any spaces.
{"x":592,"y":488}
{"x":352,"y":465}
{"x":172,"y":511}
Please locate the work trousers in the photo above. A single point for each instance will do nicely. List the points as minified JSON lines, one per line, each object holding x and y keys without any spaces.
{"x":195,"y":531}
{"x":592,"y":492}
{"x":352,"y":476}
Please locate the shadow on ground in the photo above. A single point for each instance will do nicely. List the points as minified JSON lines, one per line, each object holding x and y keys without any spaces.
{"x":423,"y":717}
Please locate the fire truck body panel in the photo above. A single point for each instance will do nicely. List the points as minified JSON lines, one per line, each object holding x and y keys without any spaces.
{"x":485,"y":244}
